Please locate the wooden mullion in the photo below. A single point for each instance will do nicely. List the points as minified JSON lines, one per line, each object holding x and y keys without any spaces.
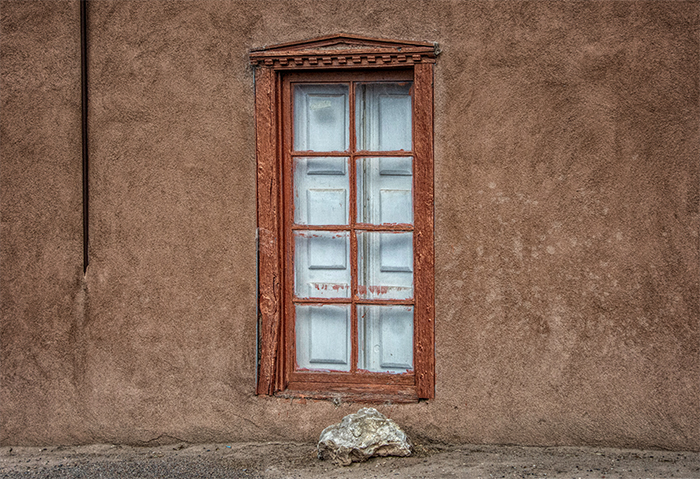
{"x":385,"y":227}
{"x":320,"y":228}
{"x":353,"y":235}
{"x":321,"y":301}
{"x":302,"y":154}
{"x":375,"y":154}
{"x":384,"y":302}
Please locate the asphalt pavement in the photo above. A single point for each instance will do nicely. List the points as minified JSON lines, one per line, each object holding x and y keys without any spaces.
{"x":299,"y":460}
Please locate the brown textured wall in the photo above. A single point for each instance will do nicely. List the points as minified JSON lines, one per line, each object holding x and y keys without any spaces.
{"x":566,"y":172}
{"x":567,"y":223}
{"x":41,"y":229}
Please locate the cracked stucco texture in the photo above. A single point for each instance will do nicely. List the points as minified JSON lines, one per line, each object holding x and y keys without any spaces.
{"x":566,"y":221}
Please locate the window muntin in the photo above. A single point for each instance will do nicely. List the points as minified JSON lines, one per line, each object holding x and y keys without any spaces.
{"x":352,"y":307}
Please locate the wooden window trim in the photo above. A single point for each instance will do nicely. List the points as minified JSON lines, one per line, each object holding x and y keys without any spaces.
{"x":339,"y":53}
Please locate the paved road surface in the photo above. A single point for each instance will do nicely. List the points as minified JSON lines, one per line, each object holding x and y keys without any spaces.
{"x":292,"y":460}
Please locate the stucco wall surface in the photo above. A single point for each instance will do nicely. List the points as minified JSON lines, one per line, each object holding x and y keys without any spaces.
{"x":41,"y":290}
{"x":566,"y":174}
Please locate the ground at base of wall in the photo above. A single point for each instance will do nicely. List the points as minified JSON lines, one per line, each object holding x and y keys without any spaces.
{"x":293,"y":460}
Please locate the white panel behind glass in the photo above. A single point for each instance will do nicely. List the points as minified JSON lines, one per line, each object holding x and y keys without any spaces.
{"x":385,"y":338}
{"x":321,"y":191}
{"x":396,"y":166}
{"x":396,"y":252}
{"x":326,"y":206}
{"x":385,"y":265}
{"x":384,"y":190}
{"x":394,"y":122}
{"x":383,"y":116}
{"x":322,"y":264}
{"x":323,"y":337}
{"x":321,"y":117}
{"x":395,"y":206}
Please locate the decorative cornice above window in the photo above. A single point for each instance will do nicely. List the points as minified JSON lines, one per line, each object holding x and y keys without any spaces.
{"x":343,"y":51}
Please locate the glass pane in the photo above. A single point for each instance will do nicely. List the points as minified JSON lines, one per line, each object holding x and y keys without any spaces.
{"x":385,"y":338}
{"x":321,"y":191}
{"x":384,"y":190}
{"x":322,"y":264}
{"x":323,"y":337}
{"x":384,"y":265}
{"x":321,"y":118}
{"x":383,"y":116}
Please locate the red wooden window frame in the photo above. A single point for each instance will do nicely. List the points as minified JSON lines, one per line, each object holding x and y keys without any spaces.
{"x":350,"y":58}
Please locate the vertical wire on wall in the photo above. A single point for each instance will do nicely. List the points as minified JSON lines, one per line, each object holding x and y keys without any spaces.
{"x":84,"y":127}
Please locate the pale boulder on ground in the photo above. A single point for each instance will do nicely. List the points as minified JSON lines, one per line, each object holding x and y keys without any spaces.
{"x":362,"y":435}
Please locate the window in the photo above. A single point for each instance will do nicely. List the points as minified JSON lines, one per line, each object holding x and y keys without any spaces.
{"x":345,"y":218}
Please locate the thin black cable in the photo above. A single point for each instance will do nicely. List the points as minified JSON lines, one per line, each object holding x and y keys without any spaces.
{"x":84,"y":122}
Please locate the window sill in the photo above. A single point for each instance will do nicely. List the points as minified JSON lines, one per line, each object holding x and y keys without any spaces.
{"x":339,"y":395}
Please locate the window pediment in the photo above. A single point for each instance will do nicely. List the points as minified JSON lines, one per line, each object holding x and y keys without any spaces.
{"x":342,"y":51}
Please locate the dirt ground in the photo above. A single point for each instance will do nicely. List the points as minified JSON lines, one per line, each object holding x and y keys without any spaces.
{"x":293,"y":460}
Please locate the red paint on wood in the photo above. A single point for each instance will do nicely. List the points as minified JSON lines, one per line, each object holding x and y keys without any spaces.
{"x":424,"y":261}
{"x":268,"y":192}
{"x":276,"y":221}
{"x":353,"y":235}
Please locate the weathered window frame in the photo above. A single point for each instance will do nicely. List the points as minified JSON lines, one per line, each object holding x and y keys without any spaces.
{"x":339,"y":53}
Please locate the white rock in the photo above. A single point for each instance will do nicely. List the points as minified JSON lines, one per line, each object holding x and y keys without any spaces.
{"x":360,"y":436}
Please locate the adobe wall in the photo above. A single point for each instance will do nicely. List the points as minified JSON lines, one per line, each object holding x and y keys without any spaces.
{"x":41,"y":289}
{"x":567,"y":178}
